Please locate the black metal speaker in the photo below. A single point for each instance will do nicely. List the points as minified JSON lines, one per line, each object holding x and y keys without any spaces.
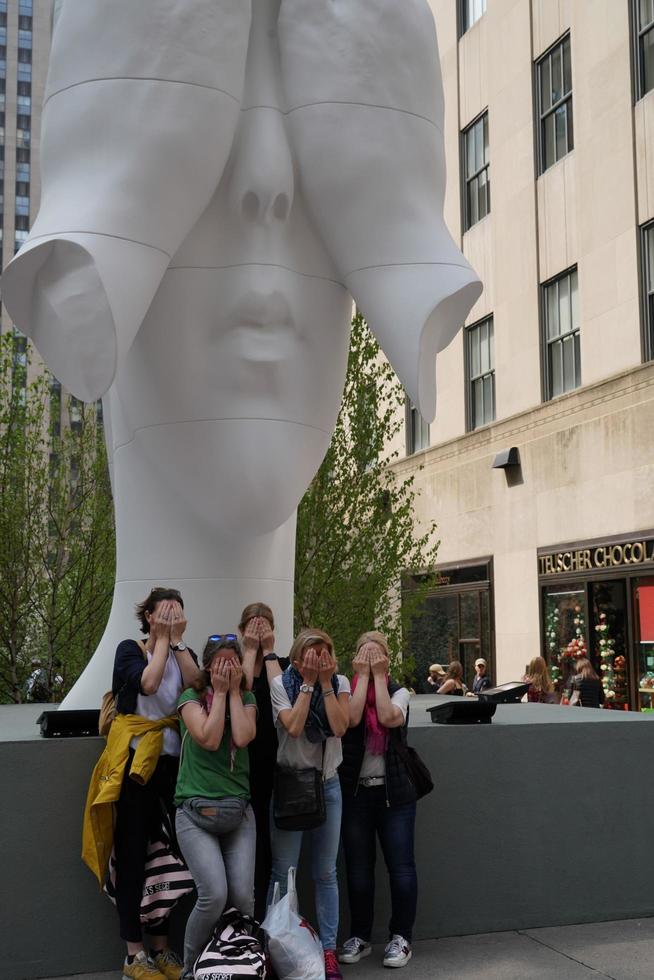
{"x":69,"y":724}
{"x":511,"y":693}
{"x":462,"y":711}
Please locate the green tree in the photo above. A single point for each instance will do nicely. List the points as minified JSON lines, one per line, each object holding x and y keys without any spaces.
{"x":56,"y":528}
{"x":356,"y":528}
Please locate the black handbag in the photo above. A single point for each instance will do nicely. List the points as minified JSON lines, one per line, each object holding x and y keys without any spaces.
{"x":298,"y":798}
{"x":416,"y":769}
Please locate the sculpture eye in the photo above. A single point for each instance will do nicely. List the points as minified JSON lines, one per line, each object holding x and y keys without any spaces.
{"x":379,"y":54}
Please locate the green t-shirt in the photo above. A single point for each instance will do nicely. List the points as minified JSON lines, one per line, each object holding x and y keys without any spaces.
{"x":212,"y":774}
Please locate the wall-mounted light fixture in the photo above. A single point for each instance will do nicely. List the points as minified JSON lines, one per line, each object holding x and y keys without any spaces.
{"x":507,"y":459}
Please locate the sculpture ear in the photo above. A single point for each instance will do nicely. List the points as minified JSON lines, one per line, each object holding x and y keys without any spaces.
{"x":141,"y":107}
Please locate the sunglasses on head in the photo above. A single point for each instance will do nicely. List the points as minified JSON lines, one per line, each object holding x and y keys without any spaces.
{"x":218,"y":637}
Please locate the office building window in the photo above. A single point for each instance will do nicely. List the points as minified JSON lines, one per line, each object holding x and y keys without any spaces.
{"x":554,"y":79}
{"x":647,"y":252}
{"x":480,"y":370}
{"x":561,"y":342}
{"x":24,"y":72}
{"x":471,"y":11}
{"x":24,"y":39}
{"x":22,"y":205}
{"x":417,"y":430}
{"x":477,"y":171}
{"x":644,"y":44}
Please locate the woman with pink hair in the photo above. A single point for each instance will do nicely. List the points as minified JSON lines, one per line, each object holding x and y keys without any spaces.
{"x":379,"y":800}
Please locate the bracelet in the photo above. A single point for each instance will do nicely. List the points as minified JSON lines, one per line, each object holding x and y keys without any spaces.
{"x":330,"y":691}
{"x":271,"y":656}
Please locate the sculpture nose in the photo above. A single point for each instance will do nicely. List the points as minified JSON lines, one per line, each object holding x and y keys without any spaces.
{"x":262,"y":169}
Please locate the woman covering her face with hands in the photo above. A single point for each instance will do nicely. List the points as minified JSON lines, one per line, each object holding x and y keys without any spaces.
{"x":379,"y":801}
{"x":310,"y":703}
{"x":147,"y":680}
{"x":215,"y":823}
{"x":260,"y":666}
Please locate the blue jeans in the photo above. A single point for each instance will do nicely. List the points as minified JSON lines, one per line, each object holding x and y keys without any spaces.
{"x":286,"y":846}
{"x":366,"y":817}
{"x":222,"y":866}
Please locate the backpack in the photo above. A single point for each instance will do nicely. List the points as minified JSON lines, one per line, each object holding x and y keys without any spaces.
{"x":108,"y":705}
{"x":234,"y":950}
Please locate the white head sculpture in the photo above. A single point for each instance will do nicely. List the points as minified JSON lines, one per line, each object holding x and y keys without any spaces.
{"x":220,"y":179}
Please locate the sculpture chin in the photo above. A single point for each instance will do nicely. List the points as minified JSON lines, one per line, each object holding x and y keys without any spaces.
{"x":240,"y":476}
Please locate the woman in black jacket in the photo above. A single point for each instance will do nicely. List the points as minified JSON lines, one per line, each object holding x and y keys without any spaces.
{"x":379,"y":800}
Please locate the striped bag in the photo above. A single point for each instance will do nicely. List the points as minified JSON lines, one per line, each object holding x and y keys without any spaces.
{"x":233,"y":952}
{"x":167,"y":879}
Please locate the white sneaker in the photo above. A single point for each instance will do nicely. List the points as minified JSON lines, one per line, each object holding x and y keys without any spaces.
{"x":353,"y":950}
{"x":397,"y":952}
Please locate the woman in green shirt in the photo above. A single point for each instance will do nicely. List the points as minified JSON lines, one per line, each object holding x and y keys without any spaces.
{"x":215,"y":825}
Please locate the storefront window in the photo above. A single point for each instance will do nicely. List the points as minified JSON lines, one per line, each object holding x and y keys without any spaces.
{"x":609,"y":647}
{"x":565,"y":632}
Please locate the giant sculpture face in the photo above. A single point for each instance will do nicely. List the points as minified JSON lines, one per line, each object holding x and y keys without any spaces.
{"x":220,"y":179}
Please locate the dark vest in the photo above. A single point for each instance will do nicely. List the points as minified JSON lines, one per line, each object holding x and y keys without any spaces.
{"x":399,"y":788}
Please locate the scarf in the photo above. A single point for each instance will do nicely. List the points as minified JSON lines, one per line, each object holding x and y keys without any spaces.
{"x":316,"y":727}
{"x":376,"y":733}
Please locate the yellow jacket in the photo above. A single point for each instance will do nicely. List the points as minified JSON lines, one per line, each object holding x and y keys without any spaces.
{"x":107,"y":779}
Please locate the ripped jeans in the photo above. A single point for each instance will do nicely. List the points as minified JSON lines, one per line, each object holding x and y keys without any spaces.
{"x":219,"y":851}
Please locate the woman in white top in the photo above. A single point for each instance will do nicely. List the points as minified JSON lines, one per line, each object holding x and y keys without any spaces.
{"x":148,"y":679}
{"x":310,"y":703}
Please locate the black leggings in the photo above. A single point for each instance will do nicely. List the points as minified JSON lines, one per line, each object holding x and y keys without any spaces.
{"x":138,"y":816}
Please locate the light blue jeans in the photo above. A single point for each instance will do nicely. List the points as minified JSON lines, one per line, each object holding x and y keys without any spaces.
{"x":222,"y":865}
{"x":286,"y":846}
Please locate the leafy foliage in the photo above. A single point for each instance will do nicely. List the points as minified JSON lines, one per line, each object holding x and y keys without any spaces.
{"x":56,"y":527}
{"x":356,"y":529}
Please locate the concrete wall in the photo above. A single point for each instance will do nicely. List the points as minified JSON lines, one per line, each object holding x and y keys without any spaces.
{"x":541,"y":822}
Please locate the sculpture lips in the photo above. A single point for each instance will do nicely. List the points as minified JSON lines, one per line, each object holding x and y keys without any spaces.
{"x":264,"y":326}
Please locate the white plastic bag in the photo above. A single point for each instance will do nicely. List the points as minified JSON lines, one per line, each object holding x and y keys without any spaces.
{"x":294,"y":946}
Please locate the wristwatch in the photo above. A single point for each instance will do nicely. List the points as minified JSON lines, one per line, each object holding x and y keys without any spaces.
{"x":306,"y":688}
{"x":271,"y":656}
{"x":179,"y":647}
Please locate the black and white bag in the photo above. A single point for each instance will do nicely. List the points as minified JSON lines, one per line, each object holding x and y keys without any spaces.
{"x":167,"y":879}
{"x":233,"y":952}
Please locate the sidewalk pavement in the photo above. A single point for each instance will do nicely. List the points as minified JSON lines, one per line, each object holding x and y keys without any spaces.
{"x":622,"y":950}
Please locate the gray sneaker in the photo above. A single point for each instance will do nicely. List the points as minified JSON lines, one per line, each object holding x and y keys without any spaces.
{"x":354,"y":949}
{"x":397,"y":952}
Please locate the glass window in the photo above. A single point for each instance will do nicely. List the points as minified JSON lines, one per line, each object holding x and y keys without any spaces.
{"x":24,"y":72}
{"x":561,"y":341}
{"x":477,"y":171}
{"x":608,"y":649}
{"x":647,"y":253}
{"x":25,"y":8}
{"x":471,"y":11}
{"x":554,"y":86}
{"x":22,"y":137}
{"x":24,"y":103}
{"x":23,"y":173}
{"x":480,"y":362}
{"x":22,"y":205}
{"x":453,"y":623}
{"x":643,"y":21}
{"x":565,"y":632}
{"x":24,"y":39}
{"x":417,"y":430}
